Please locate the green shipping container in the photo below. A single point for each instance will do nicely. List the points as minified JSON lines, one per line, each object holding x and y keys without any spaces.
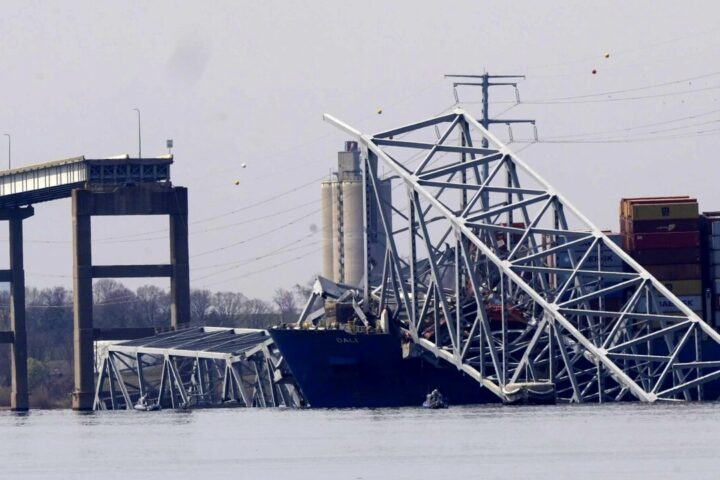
{"x":667,"y":211}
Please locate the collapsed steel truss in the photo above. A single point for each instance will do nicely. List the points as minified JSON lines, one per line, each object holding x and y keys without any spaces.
{"x":199,"y":367}
{"x":490,"y":268}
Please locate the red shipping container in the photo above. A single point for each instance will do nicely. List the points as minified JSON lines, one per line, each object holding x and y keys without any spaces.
{"x":661,"y":226}
{"x":641,"y":241}
{"x":675,"y":272}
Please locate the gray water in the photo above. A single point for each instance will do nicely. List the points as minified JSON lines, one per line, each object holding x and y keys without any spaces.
{"x":589,"y":442}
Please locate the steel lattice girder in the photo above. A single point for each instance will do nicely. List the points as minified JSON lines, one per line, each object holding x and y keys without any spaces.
{"x":511,"y":283}
{"x":199,"y":367}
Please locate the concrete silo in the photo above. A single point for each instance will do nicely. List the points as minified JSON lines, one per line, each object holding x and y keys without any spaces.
{"x":337,"y":232}
{"x":342,"y":209}
{"x":326,"y":229}
{"x":353,"y":237}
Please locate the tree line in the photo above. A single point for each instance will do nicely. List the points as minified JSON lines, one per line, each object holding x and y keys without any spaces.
{"x":49,"y":325}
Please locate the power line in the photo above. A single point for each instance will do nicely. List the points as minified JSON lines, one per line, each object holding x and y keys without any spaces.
{"x":211,"y":229}
{"x":262,"y":202}
{"x":635,"y":127}
{"x":260,"y":235}
{"x":699,"y":133}
{"x":623,"y":99}
{"x":635,"y":89}
{"x":279,"y":249}
{"x":616,"y":53}
{"x":237,"y":265}
{"x":255,"y":272}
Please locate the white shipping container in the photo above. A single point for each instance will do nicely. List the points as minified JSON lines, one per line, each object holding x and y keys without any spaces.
{"x":608,"y":258}
{"x":666,"y":306}
{"x":714,"y":242}
{"x":714,"y":257}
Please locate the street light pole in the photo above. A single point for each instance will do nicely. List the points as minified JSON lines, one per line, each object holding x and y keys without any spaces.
{"x":9,"y":151}
{"x":139,"y":134}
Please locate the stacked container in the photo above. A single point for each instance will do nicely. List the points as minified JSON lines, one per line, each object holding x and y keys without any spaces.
{"x":663,"y":235}
{"x":607,"y":261}
{"x":710,"y":231}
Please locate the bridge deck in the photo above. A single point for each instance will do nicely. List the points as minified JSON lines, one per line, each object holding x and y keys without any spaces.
{"x":195,"y":367}
{"x":54,"y":180}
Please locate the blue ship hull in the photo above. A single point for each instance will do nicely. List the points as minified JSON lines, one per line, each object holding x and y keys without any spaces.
{"x":337,"y":369}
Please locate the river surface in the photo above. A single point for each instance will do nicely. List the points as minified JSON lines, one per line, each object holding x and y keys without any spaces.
{"x":626,"y":441}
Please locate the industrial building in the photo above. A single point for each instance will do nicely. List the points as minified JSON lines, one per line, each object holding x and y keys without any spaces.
{"x":343,"y":203}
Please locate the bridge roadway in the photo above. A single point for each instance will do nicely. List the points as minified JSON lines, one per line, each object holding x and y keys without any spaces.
{"x":105,"y":186}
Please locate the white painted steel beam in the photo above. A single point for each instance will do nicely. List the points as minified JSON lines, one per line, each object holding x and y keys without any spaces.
{"x":513,"y":310}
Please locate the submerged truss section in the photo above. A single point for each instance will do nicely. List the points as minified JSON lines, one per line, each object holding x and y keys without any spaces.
{"x":490,"y":268}
{"x":195,"y":368}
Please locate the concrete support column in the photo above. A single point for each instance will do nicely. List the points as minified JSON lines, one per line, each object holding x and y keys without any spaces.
{"x":180,"y":259}
{"x":83,"y":302}
{"x":136,"y":200}
{"x":19,"y":387}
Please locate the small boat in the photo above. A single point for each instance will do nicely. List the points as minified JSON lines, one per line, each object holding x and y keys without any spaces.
{"x":143,"y":406}
{"x":434,"y":400}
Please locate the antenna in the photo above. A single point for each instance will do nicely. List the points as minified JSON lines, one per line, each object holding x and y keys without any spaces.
{"x":485,"y":83}
{"x":139,"y":133}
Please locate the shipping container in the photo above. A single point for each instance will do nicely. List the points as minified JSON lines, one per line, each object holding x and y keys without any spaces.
{"x":684,"y":287}
{"x":694,"y":302}
{"x":641,"y":241}
{"x":614,"y":304}
{"x":608,"y":260}
{"x":675,"y":272}
{"x":714,"y":227}
{"x":660,"y":226}
{"x":666,"y":211}
{"x":626,"y":203}
{"x":714,"y":242}
{"x":667,"y":256}
{"x":714,"y":257}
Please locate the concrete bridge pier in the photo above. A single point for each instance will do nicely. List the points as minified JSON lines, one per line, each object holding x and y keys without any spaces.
{"x":149,"y":199}
{"x":16,"y":336}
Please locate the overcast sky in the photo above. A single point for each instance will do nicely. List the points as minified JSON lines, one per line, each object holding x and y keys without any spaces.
{"x":247,"y":82}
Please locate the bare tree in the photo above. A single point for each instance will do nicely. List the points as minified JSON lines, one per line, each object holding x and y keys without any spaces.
{"x":153,"y":305}
{"x":200,"y":302}
{"x":113,"y":304}
{"x":226,"y":307}
{"x":285,"y":301}
{"x":255,"y":306}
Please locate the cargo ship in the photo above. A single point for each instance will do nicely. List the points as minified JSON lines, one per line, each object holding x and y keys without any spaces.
{"x":339,"y":363}
{"x":340,"y":369}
